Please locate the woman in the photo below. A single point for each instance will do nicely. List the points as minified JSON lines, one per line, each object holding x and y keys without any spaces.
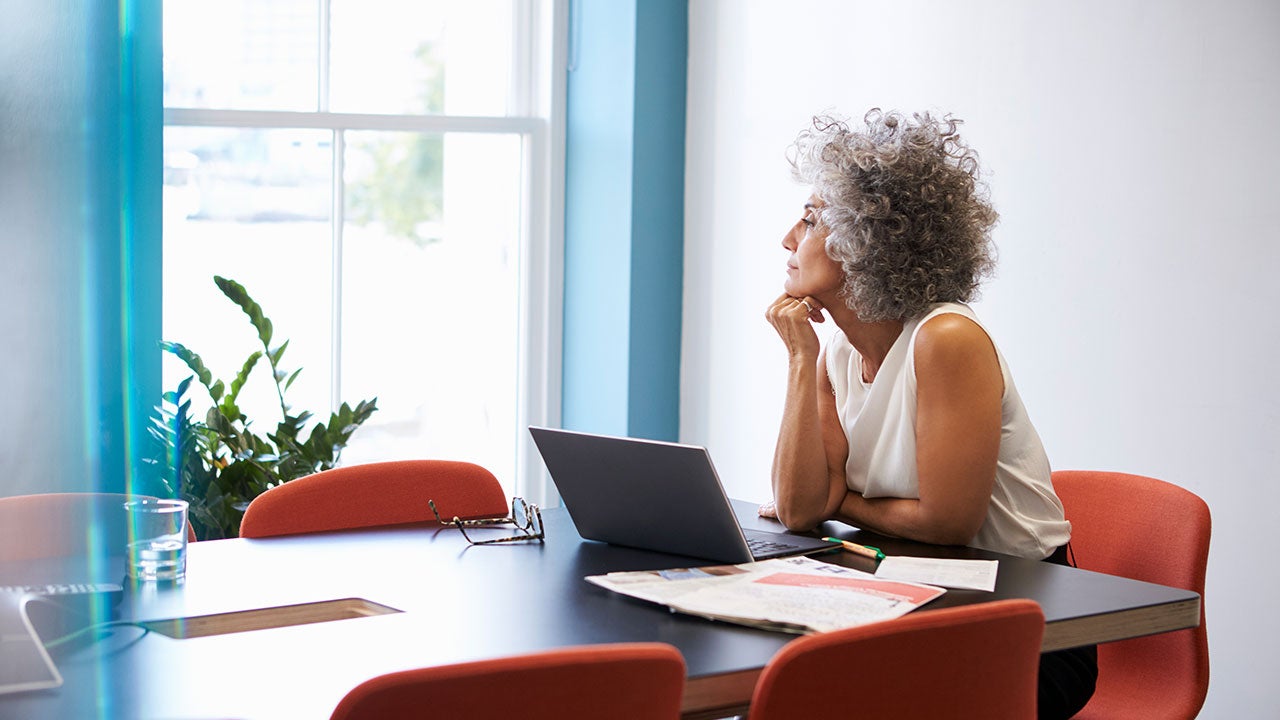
{"x":907,"y":422}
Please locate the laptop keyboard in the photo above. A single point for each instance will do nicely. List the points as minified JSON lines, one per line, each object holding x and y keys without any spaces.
{"x":765,"y":544}
{"x":62,"y":589}
{"x":761,"y":545}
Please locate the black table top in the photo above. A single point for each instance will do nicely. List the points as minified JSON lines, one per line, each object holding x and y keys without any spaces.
{"x":463,"y":603}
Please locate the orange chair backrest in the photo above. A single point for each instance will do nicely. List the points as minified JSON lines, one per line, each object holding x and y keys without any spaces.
{"x":636,"y":681}
{"x":55,"y":525}
{"x":375,"y":494}
{"x":1146,"y":529}
{"x":975,"y":661}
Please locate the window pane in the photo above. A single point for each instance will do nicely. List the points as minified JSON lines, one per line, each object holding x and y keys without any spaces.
{"x":253,"y":206}
{"x":241,"y":54}
{"x":422,"y":57}
{"x":430,"y":296}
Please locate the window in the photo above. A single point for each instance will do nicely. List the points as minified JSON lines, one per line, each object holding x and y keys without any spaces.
{"x":380,"y":176}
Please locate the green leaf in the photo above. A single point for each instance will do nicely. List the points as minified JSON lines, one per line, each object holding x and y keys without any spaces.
{"x":230,"y":410}
{"x":238,"y":295}
{"x":278,"y":353}
{"x":288,"y":383}
{"x":191,"y":360}
{"x":218,"y":421}
{"x":243,"y":376}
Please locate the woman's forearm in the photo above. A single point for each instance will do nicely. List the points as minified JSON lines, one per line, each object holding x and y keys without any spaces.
{"x":906,"y":518}
{"x":801,"y":481}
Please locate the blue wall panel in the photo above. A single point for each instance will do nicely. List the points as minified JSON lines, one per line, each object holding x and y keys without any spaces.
{"x":624,"y":178}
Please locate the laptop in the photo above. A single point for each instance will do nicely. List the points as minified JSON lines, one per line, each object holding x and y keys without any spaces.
{"x":24,"y":662}
{"x":655,"y":496}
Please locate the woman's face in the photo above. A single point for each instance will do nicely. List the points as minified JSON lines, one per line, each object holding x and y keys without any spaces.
{"x":810,"y":271}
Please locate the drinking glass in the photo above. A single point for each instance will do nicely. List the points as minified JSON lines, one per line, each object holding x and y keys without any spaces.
{"x":157,"y":547}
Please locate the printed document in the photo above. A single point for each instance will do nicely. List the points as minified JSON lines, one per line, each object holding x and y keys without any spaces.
{"x":962,"y":574}
{"x":795,"y":594}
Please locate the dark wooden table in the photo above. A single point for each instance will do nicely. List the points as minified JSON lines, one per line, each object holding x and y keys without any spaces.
{"x":457,"y":603}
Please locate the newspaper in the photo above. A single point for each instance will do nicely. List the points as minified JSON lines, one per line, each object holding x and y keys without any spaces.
{"x":797,"y":594}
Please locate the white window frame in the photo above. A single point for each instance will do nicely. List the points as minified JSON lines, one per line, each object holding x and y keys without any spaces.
{"x":538,"y":99}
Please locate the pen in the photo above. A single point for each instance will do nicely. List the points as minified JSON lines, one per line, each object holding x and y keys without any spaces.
{"x":866,"y":550}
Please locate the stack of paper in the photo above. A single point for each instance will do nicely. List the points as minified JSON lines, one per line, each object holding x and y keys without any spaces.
{"x":796,"y":594}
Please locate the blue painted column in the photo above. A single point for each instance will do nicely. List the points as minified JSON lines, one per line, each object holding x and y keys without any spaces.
{"x":624,"y":216}
{"x":123,"y":145}
{"x":141,"y":281}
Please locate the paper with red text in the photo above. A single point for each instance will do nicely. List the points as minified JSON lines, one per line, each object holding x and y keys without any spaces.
{"x":797,"y":594}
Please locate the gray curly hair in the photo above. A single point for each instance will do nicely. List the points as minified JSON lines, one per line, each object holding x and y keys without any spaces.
{"x":908,"y":219}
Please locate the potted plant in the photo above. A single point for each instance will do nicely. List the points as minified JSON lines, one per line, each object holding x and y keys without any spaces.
{"x":220,"y":464}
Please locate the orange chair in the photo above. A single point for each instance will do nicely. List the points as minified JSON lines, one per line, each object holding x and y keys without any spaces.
{"x":52,"y":525}
{"x":1146,"y":529}
{"x":372,"y":495}
{"x":637,"y":681}
{"x":975,"y":661}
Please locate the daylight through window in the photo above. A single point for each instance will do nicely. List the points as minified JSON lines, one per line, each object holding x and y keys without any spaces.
{"x":374,"y":172}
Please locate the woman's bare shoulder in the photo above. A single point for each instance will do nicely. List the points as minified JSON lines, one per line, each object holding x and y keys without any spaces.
{"x":950,"y":342}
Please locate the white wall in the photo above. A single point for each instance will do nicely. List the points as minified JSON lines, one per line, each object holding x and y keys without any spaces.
{"x":1132,"y":154}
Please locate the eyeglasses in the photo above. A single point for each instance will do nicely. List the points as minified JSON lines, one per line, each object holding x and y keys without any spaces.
{"x":525,"y":517}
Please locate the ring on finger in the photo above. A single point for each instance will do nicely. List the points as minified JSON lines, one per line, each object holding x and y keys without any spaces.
{"x":807,"y":306}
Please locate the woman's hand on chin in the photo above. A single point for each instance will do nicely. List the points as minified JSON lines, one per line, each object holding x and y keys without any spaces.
{"x":791,"y":318}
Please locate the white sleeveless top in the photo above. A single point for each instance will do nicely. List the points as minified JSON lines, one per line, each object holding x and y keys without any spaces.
{"x":1025,"y":516}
